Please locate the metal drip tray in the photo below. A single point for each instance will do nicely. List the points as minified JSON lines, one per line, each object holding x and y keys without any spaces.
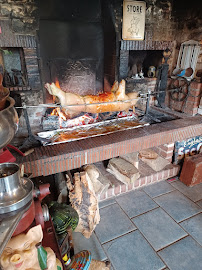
{"x":15,"y":192}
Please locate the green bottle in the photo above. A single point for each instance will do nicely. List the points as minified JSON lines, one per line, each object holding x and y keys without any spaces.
{"x":42,"y":256}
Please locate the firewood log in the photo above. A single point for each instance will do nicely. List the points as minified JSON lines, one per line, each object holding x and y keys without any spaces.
{"x":123,"y":170}
{"x":84,"y":201}
{"x":100,"y":183}
{"x":132,"y":158}
{"x":157,"y":164}
{"x":89,"y":103}
{"x":148,"y":153}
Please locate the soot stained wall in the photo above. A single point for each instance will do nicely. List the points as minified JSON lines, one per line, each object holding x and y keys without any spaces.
{"x":71,"y":30}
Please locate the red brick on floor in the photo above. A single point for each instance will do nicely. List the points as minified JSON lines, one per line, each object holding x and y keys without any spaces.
{"x":191,"y":174}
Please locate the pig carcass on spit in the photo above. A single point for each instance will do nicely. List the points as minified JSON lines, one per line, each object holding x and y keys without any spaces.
{"x":113,"y":101}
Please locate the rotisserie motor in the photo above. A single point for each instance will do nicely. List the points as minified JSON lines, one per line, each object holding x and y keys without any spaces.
{"x":113,"y":101}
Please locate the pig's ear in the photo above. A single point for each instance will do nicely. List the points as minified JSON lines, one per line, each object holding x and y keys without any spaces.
{"x":35,"y":234}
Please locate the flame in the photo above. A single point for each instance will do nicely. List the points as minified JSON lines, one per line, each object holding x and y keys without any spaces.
{"x":57,"y":83}
{"x":54,"y":112}
{"x":62,"y":116}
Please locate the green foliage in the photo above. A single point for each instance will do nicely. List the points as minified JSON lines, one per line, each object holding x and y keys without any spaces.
{"x":6,"y":52}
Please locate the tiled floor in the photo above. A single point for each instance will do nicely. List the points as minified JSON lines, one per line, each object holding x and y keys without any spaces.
{"x":153,"y":228}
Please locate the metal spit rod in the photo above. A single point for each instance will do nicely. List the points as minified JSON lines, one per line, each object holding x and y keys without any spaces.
{"x":145,"y":96}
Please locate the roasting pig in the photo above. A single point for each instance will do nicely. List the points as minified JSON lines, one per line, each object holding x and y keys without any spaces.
{"x":116,"y":100}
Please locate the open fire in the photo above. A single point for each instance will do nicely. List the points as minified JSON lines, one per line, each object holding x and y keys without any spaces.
{"x":62,"y":119}
{"x":79,"y":117}
{"x":79,"y":110}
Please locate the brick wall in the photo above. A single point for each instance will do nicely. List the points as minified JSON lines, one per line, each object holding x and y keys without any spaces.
{"x":19,"y":20}
{"x":191,"y":97}
{"x":165,"y":26}
{"x":32,"y":66}
{"x":19,"y":23}
{"x":166,"y":151}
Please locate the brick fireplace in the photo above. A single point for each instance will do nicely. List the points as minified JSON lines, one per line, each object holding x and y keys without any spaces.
{"x":146,"y":45}
{"x":18,"y":36}
{"x":19,"y":57}
{"x":52,"y":44}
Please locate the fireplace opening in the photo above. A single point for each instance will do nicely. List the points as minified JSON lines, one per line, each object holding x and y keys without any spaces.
{"x":74,"y":76}
{"x":72,"y":45}
{"x":144,"y":62}
{"x":13,"y":65}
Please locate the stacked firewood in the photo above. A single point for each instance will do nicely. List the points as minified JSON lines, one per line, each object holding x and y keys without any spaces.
{"x":86,"y":187}
{"x":125,"y":168}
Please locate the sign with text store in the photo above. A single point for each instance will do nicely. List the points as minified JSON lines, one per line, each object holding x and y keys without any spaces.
{"x":133,"y":20}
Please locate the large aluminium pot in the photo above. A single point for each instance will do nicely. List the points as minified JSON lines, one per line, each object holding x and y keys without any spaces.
{"x":15,"y":192}
{"x":8,"y":122}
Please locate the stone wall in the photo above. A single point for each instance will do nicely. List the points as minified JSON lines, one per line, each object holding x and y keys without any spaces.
{"x":19,"y":21}
{"x":166,"y":21}
{"x":22,"y":14}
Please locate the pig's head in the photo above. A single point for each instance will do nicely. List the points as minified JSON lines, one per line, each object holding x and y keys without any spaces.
{"x":21,"y":253}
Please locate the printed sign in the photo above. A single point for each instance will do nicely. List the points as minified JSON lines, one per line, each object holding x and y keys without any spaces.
{"x":133,"y":20}
{"x":186,"y":148}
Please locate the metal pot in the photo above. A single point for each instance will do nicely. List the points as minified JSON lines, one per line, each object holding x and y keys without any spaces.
{"x":8,"y":122}
{"x":15,"y":192}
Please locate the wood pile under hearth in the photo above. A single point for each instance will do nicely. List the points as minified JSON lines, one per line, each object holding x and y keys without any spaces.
{"x":87,"y":185}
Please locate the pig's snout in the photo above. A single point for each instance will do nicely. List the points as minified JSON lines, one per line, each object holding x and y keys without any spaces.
{"x":16,"y":260}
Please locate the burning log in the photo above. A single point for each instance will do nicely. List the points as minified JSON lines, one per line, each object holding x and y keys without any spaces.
{"x":84,"y":201}
{"x":116,"y":100}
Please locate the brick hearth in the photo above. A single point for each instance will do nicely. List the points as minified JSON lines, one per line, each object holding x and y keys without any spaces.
{"x":62,"y":157}
{"x":147,"y":176}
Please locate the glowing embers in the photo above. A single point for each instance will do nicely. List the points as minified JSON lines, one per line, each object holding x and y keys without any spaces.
{"x":56,"y":118}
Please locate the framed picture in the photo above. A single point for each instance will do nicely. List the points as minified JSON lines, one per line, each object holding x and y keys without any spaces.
{"x":133,"y":20}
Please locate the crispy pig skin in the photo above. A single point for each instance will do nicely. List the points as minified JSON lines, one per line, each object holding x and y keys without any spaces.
{"x":89,"y":103}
